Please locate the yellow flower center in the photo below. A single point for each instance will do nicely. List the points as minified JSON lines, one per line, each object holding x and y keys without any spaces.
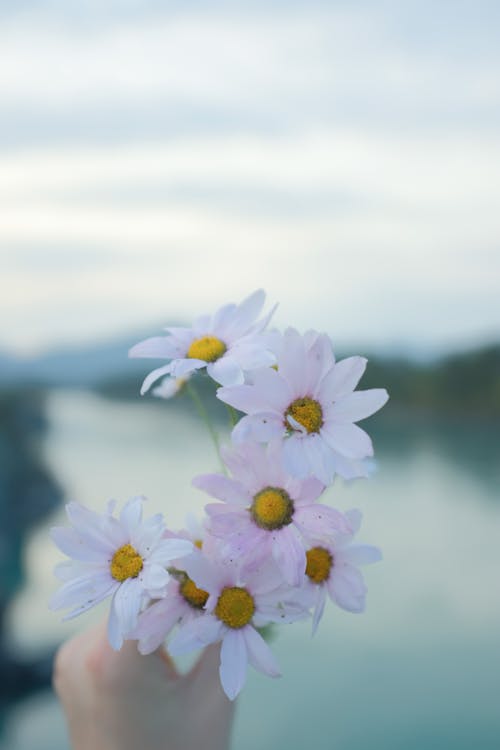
{"x":319,"y":563}
{"x":126,"y":563}
{"x":208,"y":348}
{"x":235,"y":607}
{"x":194,"y":596}
{"x":272,"y":508}
{"x":307,"y":412}
{"x":198,"y":543}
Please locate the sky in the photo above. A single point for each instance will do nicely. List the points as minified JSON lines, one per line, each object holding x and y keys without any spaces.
{"x":158,"y":159}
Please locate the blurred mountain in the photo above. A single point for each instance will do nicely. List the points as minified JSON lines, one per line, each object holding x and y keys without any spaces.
{"x":76,"y":367}
{"x":464,"y":383}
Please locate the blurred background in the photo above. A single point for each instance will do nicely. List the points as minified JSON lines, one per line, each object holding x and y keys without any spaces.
{"x":158,"y":159}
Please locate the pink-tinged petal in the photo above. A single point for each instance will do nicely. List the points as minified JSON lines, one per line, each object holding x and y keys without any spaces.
{"x":348,"y":440}
{"x":358,"y":405}
{"x":279,"y":395}
{"x":153,"y":377}
{"x":320,"y":520}
{"x":223,"y":488}
{"x":262,"y":428}
{"x":171,"y":549}
{"x":292,"y":363}
{"x":295,"y":460}
{"x":347,"y":588}
{"x":158,"y":347}
{"x":246,"y":398}
{"x":226,"y":520}
{"x":361,"y":554}
{"x":260,"y":655}
{"x":319,"y":607}
{"x":233,"y":663}
{"x":196,"y":634}
{"x":131,"y":515}
{"x":311,"y":489}
{"x":320,"y":359}
{"x":226,"y":371}
{"x":155,"y":623}
{"x":179,"y":368}
{"x":290,"y":556}
{"x":342,"y":380}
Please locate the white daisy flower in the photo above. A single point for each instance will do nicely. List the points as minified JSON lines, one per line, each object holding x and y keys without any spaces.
{"x":238,"y":602}
{"x":332,"y":570}
{"x":308,"y":402}
{"x":123,"y":558}
{"x":228,"y":344}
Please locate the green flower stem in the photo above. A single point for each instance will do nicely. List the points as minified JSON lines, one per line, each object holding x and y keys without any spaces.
{"x":202,"y":411}
{"x":233,"y":417}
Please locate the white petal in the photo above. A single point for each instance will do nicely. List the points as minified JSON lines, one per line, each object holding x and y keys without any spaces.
{"x":87,"y":589}
{"x":261,"y":427}
{"x":195,"y":634}
{"x":358,"y":405}
{"x":247,"y":311}
{"x":127,"y":604}
{"x":320,"y":520}
{"x":233,"y":663}
{"x":343,"y":379}
{"x":158,"y":347}
{"x":226,"y":371}
{"x":171,"y":549}
{"x":154,"y":577}
{"x":348,"y":439}
{"x":347,"y":588}
{"x":278,"y":392}
{"x":259,"y":654}
{"x":115,"y":636}
{"x":153,"y":377}
{"x":77,"y":547}
{"x":319,"y":608}
{"x":354,"y":516}
{"x":361,"y":554}
{"x":131,"y":514}
{"x":182,"y":367}
{"x":294,"y":457}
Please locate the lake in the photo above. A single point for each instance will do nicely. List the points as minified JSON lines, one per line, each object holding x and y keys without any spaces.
{"x":420,"y":669}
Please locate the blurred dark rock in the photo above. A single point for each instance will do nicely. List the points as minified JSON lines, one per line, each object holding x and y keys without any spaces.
{"x":28,"y":493}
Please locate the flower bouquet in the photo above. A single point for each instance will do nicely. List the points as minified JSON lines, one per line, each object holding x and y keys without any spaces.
{"x":269,"y":550}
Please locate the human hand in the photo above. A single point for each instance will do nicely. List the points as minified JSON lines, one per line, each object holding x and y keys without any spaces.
{"x":125,"y":701}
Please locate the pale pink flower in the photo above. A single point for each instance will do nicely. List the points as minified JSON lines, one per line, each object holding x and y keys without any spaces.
{"x":228,"y":344}
{"x":266,"y":512}
{"x":332,"y":570}
{"x":309,"y":403}
{"x":239,"y":602}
